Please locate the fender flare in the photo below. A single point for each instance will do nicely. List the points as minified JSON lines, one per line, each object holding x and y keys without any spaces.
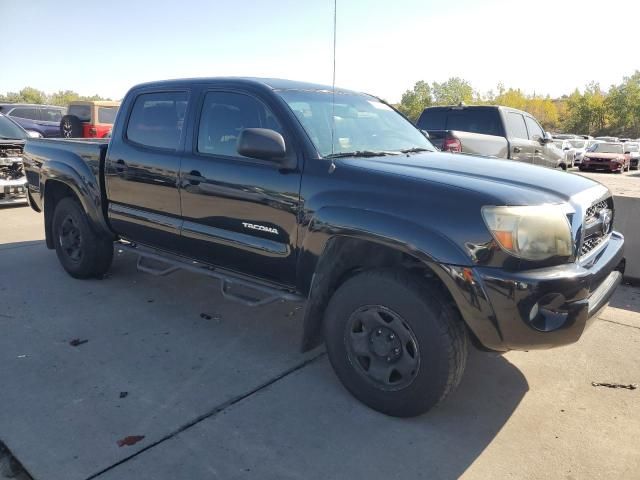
{"x":71,"y":171}
{"x":330,"y":225}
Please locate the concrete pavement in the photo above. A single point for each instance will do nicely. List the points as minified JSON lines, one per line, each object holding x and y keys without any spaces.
{"x":227,"y":395}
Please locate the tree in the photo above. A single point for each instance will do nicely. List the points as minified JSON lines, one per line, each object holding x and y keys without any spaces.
{"x":414,"y":101}
{"x":452,"y":92}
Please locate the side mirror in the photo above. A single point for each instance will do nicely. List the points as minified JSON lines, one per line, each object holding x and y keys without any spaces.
{"x":263,"y":144}
{"x":546,"y":138}
{"x":34,"y":134}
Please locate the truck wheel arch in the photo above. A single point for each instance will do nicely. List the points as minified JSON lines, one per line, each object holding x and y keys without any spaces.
{"x":346,"y":256}
{"x":54,"y":190}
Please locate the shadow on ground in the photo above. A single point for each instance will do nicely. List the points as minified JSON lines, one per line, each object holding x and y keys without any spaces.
{"x":307,"y":426}
{"x":626,"y":298}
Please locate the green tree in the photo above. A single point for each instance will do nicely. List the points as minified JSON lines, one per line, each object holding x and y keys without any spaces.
{"x":414,"y":101}
{"x":452,"y":92}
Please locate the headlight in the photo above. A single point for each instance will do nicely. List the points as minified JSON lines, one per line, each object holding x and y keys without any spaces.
{"x":531,"y":233}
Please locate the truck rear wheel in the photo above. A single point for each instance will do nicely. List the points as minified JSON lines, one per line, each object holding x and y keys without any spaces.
{"x":395,"y":341}
{"x":81,"y":251}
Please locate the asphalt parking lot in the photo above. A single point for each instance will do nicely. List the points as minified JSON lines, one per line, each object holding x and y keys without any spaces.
{"x":203,"y":388}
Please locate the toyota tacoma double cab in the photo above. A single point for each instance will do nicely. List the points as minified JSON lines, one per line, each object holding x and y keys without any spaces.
{"x":403,"y":256}
{"x":492,"y":131}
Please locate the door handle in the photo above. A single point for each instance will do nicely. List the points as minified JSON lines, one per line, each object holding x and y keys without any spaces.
{"x":517,"y":149}
{"x":194,"y":177}
{"x":121,"y":166}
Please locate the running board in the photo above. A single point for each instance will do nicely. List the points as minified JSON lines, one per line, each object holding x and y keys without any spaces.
{"x":171,"y":263}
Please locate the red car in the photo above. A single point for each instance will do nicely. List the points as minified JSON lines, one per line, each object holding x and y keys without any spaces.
{"x":89,"y":119}
{"x":607,"y":156}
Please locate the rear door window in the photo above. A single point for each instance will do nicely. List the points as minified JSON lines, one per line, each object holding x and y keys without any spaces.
{"x":29,"y":113}
{"x":83,"y":112}
{"x":516,"y":126}
{"x":156,"y":120}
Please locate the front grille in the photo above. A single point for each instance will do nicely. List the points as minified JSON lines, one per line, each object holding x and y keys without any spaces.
{"x":598,"y":223}
{"x":589,"y":244}
{"x":594,"y":209}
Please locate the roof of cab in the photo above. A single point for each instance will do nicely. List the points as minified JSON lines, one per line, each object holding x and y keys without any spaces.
{"x":276,"y":84}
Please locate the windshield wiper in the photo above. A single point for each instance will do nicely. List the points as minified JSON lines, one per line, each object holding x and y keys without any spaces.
{"x":361,"y":153}
{"x":415,"y":150}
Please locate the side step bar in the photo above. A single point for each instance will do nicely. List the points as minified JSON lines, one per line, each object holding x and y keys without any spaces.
{"x":171,"y":263}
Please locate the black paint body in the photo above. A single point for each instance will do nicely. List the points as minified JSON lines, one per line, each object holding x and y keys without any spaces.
{"x":424,"y":206}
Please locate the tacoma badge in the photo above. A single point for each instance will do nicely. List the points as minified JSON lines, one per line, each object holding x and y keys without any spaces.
{"x":260,"y":227}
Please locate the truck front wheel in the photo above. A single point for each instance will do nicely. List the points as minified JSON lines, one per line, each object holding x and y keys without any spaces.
{"x":395,"y":341}
{"x":81,"y":251}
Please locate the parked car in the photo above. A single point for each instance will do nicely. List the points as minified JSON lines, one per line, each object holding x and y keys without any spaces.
{"x":13,"y":182}
{"x":401,"y":253}
{"x":608,"y":139}
{"x":633,"y":150}
{"x":567,"y":150}
{"x":608,"y":156}
{"x":44,"y":120}
{"x":88,"y":119}
{"x":492,"y":131}
{"x":580,"y":147}
{"x":564,"y":136}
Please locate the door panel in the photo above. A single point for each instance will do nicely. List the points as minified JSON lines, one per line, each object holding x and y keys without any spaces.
{"x":142,"y":171}
{"x":519,"y":143}
{"x":543,"y":154}
{"x":238,"y":213}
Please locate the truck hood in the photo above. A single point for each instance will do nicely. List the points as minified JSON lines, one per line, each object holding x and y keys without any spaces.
{"x":503,"y":182}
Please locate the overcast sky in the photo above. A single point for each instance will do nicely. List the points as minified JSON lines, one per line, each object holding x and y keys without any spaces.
{"x":384,"y":46}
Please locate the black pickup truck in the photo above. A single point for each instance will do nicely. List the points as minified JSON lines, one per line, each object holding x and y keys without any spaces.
{"x":282,"y":190}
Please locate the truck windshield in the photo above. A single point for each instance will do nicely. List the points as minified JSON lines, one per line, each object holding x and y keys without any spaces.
{"x":10,"y":131}
{"x":362,"y":123}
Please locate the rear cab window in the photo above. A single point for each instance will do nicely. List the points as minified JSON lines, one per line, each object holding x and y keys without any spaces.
{"x":433,"y":120}
{"x":485,"y":121}
{"x":157,"y":119}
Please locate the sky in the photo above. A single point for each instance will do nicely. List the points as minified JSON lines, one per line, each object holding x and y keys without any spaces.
{"x":383,"y":46}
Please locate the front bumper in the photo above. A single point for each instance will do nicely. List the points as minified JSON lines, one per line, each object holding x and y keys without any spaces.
{"x":13,"y":191}
{"x":540,"y":308}
{"x":602,"y":165}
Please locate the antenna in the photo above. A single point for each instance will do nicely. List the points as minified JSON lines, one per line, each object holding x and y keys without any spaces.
{"x":332,"y":167}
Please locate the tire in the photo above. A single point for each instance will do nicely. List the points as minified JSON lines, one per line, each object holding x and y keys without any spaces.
{"x":416,"y":325}
{"x":70,"y":127}
{"x":81,"y":251}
